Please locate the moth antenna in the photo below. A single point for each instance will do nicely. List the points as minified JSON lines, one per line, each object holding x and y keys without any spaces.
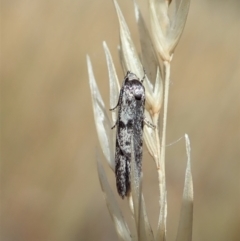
{"x":144,"y":76}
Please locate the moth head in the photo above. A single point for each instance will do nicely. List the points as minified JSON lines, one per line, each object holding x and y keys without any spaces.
{"x":131,"y":76}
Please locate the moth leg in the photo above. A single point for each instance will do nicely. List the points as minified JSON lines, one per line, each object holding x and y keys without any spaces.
{"x":148,"y":123}
{"x":115,"y":106}
{"x":119,"y":100}
{"x":112,"y":110}
{"x":115,"y":125}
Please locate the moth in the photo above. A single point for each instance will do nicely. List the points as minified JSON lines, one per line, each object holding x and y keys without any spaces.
{"x":130,"y":122}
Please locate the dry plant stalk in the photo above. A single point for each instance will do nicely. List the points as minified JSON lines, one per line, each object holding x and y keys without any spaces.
{"x":158,"y":46}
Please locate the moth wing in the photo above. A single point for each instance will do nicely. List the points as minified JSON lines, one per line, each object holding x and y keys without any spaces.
{"x":124,"y":140}
{"x":122,"y":172}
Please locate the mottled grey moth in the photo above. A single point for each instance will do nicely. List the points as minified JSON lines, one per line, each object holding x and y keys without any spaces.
{"x":130,"y":121}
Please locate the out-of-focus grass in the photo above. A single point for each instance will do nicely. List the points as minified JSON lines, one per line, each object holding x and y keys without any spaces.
{"x":49,"y":185}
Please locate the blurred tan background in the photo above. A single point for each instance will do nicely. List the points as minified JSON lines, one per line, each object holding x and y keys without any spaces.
{"x":49,"y":184}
